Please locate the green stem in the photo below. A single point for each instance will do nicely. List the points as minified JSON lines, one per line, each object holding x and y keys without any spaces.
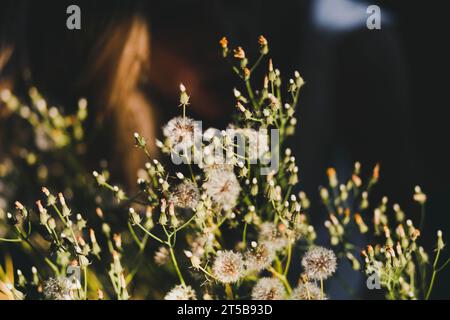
{"x":150,"y":234}
{"x":250,"y":94}
{"x":282,"y":278}
{"x":85,"y":282}
{"x":134,"y":235}
{"x":177,"y":268}
{"x":321,"y":288}
{"x":256,"y":63}
{"x":433,"y":275}
{"x":10,"y":240}
{"x":289,"y":257}
{"x":443,"y":266}
{"x":244,"y":235}
{"x":185,"y":224}
{"x":229,"y":291}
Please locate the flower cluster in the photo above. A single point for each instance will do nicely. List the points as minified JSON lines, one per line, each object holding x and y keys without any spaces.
{"x":225,"y":225}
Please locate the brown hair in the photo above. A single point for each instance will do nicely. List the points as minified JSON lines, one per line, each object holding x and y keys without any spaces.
{"x":107,"y":62}
{"x":121,"y":63}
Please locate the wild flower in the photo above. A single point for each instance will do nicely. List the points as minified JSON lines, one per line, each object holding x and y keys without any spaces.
{"x":57,"y":289}
{"x":181,"y":292}
{"x":272,"y":236}
{"x":307,"y":291}
{"x":185,"y":195}
{"x":268,"y":289}
{"x":319,"y":263}
{"x":223,"y":188}
{"x":228,"y":266}
{"x":259,"y":258}
{"x":181,"y":133}
{"x":230,"y":203}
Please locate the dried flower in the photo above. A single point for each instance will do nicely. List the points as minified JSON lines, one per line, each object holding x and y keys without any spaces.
{"x":319,"y":263}
{"x":228,"y":266}
{"x":259,"y":258}
{"x":268,"y":289}
{"x":264,"y":45}
{"x":239,"y":53}
{"x":307,"y":291}
{"x":185,"y":195}
{"x":271,"y":235}
{"x":223,"y":188}
{"x":181,"y":292}
{"x":57,"y":289}
{"x":181,"y":132}
{"x":223,"y":43}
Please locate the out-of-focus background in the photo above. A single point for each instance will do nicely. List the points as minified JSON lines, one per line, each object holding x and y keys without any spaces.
{"x":371,"y":95}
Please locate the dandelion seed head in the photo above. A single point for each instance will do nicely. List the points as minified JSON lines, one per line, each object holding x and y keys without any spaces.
{"x":259,"y":258}
{"x":223,"y":188}
{"x":228,"y":266}
{"x":181,"y":132}
{"x":271,"y":236}
{"x":319,"y":263}
{"x":307,"y":291}
{"x":180,"y":292}
{"x":57,"y":289}
{"x":185,"y":195}
{"x":268,"y":289}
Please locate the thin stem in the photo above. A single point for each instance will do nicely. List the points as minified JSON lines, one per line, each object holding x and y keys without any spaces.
{"x":250,"y":93}
{"x":433,"y":275}
{"x":229,"y":291}
{"x":289,"y":257}
{"x":134,"y":235}
{"x":256,"y":63}
{"x":150,"y":234}
{"x":244,"y":235}
{"x":443,"y":266}
{"x":282,"y":278}
{"x":177,"y":269}
{"x":185,"y":224}
{"x":321,"y":288}
{"x":85,"y":282}
{"x":10,"y":240}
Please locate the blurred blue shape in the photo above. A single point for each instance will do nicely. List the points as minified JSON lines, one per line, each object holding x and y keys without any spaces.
{"x":342,"y":15}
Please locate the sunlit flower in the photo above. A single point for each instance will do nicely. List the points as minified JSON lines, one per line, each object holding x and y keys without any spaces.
{"x":272,"y":236}
{"x":181,"y":292}
{"x":319,"y":263}
{"x":223,"y":188}
{"x":268,"y":289}
{"x":181,"y":132}
{"x":228,"y":266}
{"x":307,"y":291}
{"x":57,"y":289}
{"x":259,"y":258}
{"x":239,"y":53}
{"x":185,"y":195}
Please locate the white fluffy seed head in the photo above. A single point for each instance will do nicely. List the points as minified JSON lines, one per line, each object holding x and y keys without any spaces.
{"x":319,"y":263}
{"x":181,"y":292}
{"x":307,"y":291}
{"x":268,"y":289}
{"x":228,"y":267}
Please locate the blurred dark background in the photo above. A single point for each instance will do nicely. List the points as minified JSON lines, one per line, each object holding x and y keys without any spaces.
{"x":371,"y":95}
